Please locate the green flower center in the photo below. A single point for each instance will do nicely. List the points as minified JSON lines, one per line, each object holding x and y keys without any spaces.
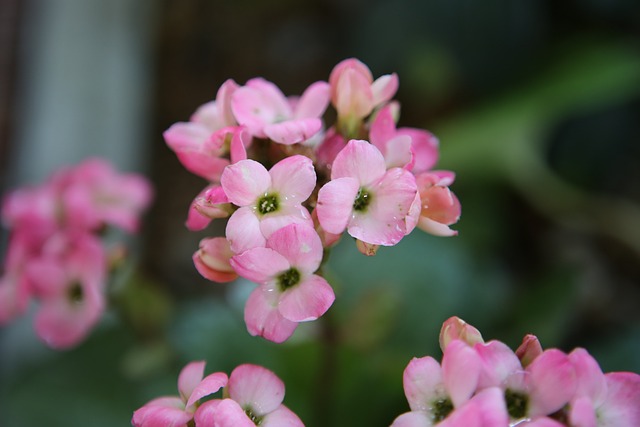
{"x":75,"y":293}
{"x":516,"y":403}
{"x":253,"y":417}
{"x":268,"y":203}
{"x":288,"y":279}
{"x":363,"y":198}
{"x":440,"y":409}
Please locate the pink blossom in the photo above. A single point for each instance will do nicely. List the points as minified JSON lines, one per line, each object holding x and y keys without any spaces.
{"x":212,"y":260}
{"x":177,"y":411}
{"x":355,"y":94}
{"x":396,"y":148}
{"x":538,"y":390}
{"x":288,"y":288}
{"x":15,"y":289}
{"x":268,"y":200}
{"x":97,"y":195}
{"x":202,"y":143}
{"x":365,"y":198}
{"x":435,"y":391}
{"x":440,"y":207}
{"x":68,"y":279}
{"x":254,"y":397}
{"x":267,"y":113}
{"x":611,"y":399}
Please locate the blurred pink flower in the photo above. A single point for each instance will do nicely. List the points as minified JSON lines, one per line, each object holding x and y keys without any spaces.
{"x":69,"y":280}
{"x":254,"y":397}
{"x":177,"y":411}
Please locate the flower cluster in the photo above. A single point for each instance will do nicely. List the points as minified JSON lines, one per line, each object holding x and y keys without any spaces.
{"x":252,"y":395}
{"x":290,"y":186}
{"x":55,"y":254}
{"x":486,"y":384}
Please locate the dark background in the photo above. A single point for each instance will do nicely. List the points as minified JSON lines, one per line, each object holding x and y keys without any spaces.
{"x":537,"y":108}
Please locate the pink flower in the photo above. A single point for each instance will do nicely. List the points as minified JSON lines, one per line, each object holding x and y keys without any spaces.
{"x":439,"y":206}
{"x":212,"y":260}
{"x":69,"y":280}
{"x":611,"y":399}
{"x":289,"y":292}
{"x":354,"y":94}
{"x":177,"y":411}
{"x":435,"y":392}
{"x":202,"y":143}
{"x":264,"y":110}
{"x":371,"y":202}
{"x":396,"y":148}
{"x":255,"y":397}
{"x":268,"y":200}
{"x":98,"y":195}
{"x":538,"y":390}
{"x":15,"y":289}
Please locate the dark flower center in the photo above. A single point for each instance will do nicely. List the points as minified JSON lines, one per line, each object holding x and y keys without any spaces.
{"x":516,"y":403}
{"x":75,"y":293}
{"x":440,"y":409}
{"x":288,"y":279}
{"x":363,"y":198}
{"x":253,"y":417}
{"x":268,"y":203}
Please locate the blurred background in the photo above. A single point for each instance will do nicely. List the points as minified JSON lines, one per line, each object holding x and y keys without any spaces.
{"x":537,"y":107}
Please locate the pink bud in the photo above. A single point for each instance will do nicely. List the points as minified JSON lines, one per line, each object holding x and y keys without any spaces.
{"x":529,"y":349}
{"x":212,"y":260}
{"x":454,"y":328}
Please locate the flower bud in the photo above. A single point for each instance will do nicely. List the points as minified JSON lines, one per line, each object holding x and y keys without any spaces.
{"x":454,"y":328}
{"x":529,"y":349}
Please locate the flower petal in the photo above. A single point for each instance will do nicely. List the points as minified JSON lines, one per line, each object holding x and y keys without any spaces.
{"x":314,"y":101}
{"x":307,"y":300}
{"x":190,"y":376}
{"x":360,"y":160}
{"x":553,"y":382}
{"x":413,"y":419}
{"x":300,"y":245}
{"x":229,"y":414}
{"x":243,"y":231}
{"x":204,"y":415}
{"x":164,"y":412}
{"x":256,"y":388}
{"x":260,"y":265}
{"x":243,"y":182}
{"x":335,"y":204}
{"x":294,"y":178}
{"x":286,"y":215}
{"x":461,"y":367}
{"x":498,"y":363}
{"x":422,"y":380}
{"x":291,"y":132}
{"x":622,"y":405}
{"x":263,"y":318}
{"x":209,"y":385}
{"x":281,"y":417}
